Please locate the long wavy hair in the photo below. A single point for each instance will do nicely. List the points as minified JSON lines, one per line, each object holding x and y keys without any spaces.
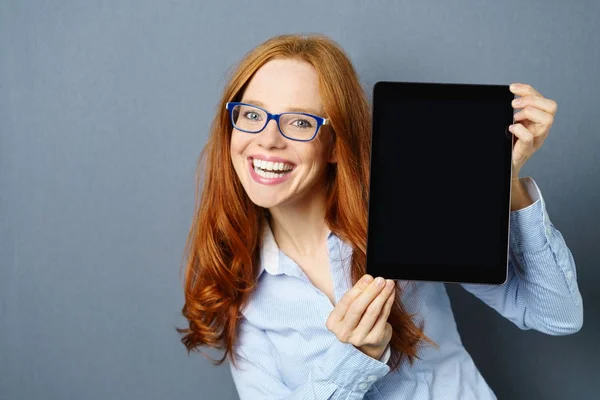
{"x":221,"y":257}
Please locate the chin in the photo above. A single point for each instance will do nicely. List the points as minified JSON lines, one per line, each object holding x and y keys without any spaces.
{"x":264,"y":202}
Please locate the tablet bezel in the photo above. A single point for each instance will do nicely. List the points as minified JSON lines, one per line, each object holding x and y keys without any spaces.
{"x":466,"y":274}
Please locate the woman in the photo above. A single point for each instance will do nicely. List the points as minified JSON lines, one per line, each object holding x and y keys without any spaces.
{"x":275,"y":270}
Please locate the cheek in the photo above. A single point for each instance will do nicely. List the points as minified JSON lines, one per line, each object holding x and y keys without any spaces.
{"x":317,"y":155}
{"x":238,"y":144}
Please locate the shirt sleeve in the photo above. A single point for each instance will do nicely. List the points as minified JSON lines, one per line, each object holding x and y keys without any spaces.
{"x":343,"y":373}
{"x":541,"y":290}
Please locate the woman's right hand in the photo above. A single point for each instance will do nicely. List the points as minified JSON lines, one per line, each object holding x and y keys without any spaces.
{"x":360,"y":317}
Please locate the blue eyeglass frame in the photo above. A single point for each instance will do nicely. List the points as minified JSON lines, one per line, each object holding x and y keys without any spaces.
{"x":320,"y":120}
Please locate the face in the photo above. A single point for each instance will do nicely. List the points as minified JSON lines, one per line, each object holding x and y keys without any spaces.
{"x":282,"y":85}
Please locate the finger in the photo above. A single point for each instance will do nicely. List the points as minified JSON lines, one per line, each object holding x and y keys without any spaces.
{"x":360,"y":304}
{"x":542,"y":103}
{"x":341,"y":307}
{"x":523,"y":148}
{"x":522,"y":89}
{"x":380,"y":325}
{"x":534,"y":115}
{"x":374,"y":310}
{"x":521,"y":132}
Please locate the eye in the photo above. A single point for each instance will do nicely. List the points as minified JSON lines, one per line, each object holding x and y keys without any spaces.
{"x":302,"y":123}
{"x":252,"y":115}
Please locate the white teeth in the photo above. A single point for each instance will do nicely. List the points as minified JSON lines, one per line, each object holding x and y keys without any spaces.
{"x":271,"y":166}
{"x":282,"y":167}
{"x":265,"y":174}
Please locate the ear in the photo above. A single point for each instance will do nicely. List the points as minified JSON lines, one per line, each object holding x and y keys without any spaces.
{"x":332,"y":153}
{"x":332,"y":157}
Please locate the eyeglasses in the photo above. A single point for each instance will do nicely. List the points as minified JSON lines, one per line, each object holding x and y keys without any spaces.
{"x":302,"y":127}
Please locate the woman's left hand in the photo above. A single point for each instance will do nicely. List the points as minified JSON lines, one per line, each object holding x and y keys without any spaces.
{"x":532,"y":123}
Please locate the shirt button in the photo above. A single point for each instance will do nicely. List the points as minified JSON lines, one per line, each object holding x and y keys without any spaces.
{"x":371,"y":378}
{"x":548,"y":230}
{"x":363,"y":386}
{"x":569,"y":275}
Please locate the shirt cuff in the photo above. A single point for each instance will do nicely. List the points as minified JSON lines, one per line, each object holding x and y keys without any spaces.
{"x":350,"y":368}
{"x":386,"y":355}
{"x":530,"y":227}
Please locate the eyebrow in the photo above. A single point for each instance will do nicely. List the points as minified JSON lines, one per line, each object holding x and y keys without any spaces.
{"x":307,"y":110}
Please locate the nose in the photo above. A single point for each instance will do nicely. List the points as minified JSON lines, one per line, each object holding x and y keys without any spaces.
{"x":270,"y":136}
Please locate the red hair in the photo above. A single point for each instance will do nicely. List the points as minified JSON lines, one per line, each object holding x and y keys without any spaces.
{"x":223,"y":247}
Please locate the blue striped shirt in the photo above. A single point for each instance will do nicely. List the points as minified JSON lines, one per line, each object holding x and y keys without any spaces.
{"x":286,"y":352}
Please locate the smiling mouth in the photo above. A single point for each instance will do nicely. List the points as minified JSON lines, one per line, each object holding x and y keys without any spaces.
{"x":268,"y":169}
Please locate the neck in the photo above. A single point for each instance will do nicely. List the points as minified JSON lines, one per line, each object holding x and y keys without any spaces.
{"x":300,"y":228}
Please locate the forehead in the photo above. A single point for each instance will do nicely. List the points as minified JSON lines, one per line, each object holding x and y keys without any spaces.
{"x":282,"y":84}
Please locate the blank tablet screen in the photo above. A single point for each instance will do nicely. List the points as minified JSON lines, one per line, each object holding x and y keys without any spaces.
{"x":439,"y":202}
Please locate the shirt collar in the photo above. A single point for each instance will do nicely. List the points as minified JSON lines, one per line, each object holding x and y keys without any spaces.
{"x":269,"y":251}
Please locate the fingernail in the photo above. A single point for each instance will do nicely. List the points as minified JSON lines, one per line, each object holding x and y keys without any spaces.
{"x":367,"y":279}
{"x":517,"y":101}
{"x":379,"y":281}
{"x":513,"y":86}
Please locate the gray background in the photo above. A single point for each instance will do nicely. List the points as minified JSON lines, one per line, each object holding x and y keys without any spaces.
{"x":105,"y":106}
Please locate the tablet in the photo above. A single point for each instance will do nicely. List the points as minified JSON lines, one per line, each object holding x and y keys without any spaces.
{"x":440,"y":182}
